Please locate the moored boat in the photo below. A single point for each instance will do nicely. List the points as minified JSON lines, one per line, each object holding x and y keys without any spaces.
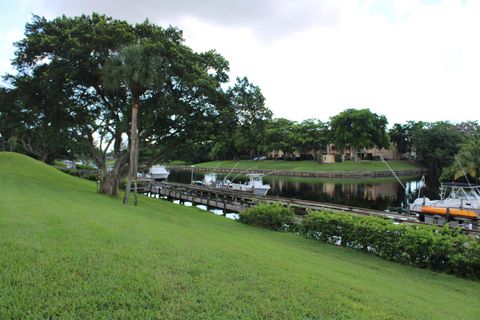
{"x":158,"y":172}
{"x":458,"y":202}
{"x":254,"y":184}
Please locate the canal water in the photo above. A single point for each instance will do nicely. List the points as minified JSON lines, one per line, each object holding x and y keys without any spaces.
{"x":373,"y":193}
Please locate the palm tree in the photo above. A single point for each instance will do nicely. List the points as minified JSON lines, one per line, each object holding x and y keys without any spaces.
{"x":137,"y":69}
{"x":469,"y":157}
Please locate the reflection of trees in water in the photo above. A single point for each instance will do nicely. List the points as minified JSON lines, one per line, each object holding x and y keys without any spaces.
{"x":370,"y":194}
{"x":429,"y":188}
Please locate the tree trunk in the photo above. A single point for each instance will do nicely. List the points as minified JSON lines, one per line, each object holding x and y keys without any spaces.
{"x":113,"y":178}
{"x":133,"y":150}
{"x":110,"y":181}
{"x":109,"y":184}
{"x":135,"y":202}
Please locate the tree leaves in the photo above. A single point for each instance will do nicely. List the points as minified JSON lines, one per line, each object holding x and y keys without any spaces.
{"x":359,"y":129}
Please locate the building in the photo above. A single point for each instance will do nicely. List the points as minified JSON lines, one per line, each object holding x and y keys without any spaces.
{"x":328,"y":154}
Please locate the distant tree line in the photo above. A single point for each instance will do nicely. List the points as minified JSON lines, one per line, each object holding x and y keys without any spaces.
{"x":352,"y":128}
{"x":128,"y":96}
{"x":452,"y":150}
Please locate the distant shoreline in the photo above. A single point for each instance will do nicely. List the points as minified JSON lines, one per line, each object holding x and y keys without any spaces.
{"x":308,"y":174}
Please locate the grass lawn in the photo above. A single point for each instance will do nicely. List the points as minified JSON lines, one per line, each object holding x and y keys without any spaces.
{"x":67,"y":252}
{"x":349,"y":181}
{"x":351,"y":166}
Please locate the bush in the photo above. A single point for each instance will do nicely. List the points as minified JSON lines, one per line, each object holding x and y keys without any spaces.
{"x":85,"y":167}
{"x":77,"y":173}
{"x":72,"y":172}
{"x":270,"y":216}
{"x":60,"y":164}
{"x":425,"y":246}
{"x":338,"y":158}
{"x":92,"y":177}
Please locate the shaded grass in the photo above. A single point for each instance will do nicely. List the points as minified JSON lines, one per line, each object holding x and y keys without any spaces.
{"x":67,"y":252}
{"x":347,"y":166}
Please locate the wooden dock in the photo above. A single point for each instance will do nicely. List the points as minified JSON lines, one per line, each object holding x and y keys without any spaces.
{"x":229,"y":200}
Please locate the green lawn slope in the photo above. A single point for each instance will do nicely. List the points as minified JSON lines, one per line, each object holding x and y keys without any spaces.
{"x":67,"y":252}
{"x":347,"y":166}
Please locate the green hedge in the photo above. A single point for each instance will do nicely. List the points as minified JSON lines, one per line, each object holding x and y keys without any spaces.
{"x":85,"y":167}
{"x":270,"y":216}
{"x":76,"y":173}
{"x":426,"y":246}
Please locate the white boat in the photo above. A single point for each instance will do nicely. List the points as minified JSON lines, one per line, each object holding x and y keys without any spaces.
{"x":158,"y":172}
{"x":254,"y":185}
{"x":209,"y":180}
{"x":458,"y":202}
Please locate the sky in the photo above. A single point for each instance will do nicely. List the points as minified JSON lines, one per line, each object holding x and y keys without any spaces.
{"x":405,"y":59}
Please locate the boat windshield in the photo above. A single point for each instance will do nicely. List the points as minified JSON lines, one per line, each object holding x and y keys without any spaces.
{"x":255,"y":177}
{"x":460,"y":191}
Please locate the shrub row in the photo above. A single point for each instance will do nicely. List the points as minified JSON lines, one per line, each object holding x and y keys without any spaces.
{"x":425,"y":246}
{"x":271,"y":216}
{"x":85,"y":167}
{"x":77,"y":173}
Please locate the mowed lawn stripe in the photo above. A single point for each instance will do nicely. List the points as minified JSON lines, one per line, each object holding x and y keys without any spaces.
{"x":67,"y":252}
{"x":313,"y":166}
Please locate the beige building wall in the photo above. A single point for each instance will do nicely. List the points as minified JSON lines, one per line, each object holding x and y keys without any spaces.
{"x":329,"y":157}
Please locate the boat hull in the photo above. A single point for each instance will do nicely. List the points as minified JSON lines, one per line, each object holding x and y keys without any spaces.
{"x":159,"y":173}
{"x":260,"y":191}
{"x":160,"y":176}
{"x":449,"y":211}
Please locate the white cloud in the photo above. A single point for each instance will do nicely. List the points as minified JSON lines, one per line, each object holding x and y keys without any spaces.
{"x":314,"y":59}
{"x":425,"y":67}
{"x":7,"y":49}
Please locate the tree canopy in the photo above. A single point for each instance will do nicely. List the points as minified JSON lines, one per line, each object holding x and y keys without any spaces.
{"x":82,"y":49}
{"x":359,"y":129}
{"x":467,"y":161}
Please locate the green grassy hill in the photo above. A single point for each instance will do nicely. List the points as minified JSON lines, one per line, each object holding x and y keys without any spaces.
{"x":350,"y":166}
{"x":67,"y":252}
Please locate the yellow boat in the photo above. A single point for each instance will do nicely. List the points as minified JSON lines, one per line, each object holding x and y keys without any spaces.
{"x":457,"y":200}
{"x":450,"y":211}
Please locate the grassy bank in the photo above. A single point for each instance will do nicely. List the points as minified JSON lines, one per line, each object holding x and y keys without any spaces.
{"x":67,"y":252}
{"x":347,"y":166}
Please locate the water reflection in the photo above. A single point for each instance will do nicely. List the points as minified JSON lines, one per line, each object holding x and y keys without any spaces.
{"x":374,"y":193}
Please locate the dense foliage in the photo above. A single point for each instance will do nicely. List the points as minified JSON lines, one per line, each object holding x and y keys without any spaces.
{"x":80,"y":81}
{"x":436,"y":144}
{"x":241,"y":123}
{"x":466,"y":165}
{"x":424,"y":246}
{"x":270,"y":216}
{"x":359,"y":129}
{"x":303,"y":137}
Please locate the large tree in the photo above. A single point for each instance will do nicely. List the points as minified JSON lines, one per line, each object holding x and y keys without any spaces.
{"x":39,"y":116}
{"x":436,"y":144}
{"x":310,"y":135}
{"x":359,"y":129}
{"x":252,"y":115}
{"x":279,"y":135}
{"x":80,"y":48}
{"x":402,"y":136}
{"x":467,"y":162}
